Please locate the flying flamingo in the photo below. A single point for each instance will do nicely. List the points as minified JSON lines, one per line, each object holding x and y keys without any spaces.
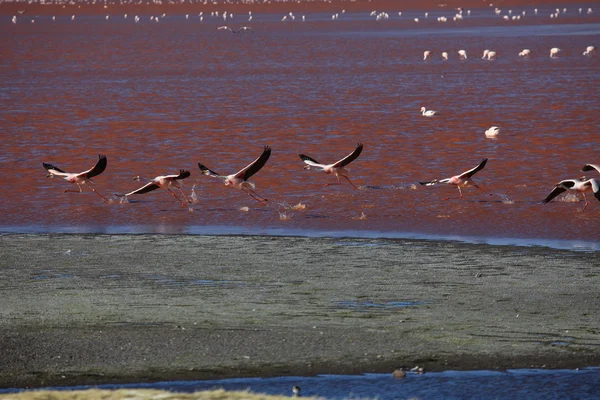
{"x":81,"y":178}
{"x":337,"y":168}
{"x":165,"y":182}
{"x":239,"y":180}
{"x":461,"y":180}
{"x":580,"y":185}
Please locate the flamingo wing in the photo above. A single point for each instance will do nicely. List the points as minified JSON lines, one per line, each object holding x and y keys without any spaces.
{"x":54,"y":170}
{"x":255,"y":165}
{"x":350,"y":157}
{"x":148,"y":187}
{"x":311,"y":161}
{"x":182,"y":174}
{"x":98,"y":168}
{"x":429,"y":183}
{"x":208,"y":172}
{"x":589,"y":167}
{"x":473,"y":171}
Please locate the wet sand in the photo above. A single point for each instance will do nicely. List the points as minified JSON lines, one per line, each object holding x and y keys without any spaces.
{"x":89,"y":309}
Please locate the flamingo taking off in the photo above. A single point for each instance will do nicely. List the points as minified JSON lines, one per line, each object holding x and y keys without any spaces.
{"x":460,"y":180}
{"x":165,"y":182}
{"x":589,"y":50}
{"x":337,"y":168}
{"x":81,"y":178}
{"x":589,"y":167}
{"x":492,"y":132}
{"x":239,"y":180}
{"x":427,"y":113}
{"x":554,"y":52}
{"x":581,"y":185}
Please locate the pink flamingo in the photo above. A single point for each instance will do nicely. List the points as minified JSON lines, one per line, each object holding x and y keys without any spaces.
{"x":337,"y":168}
{"x":463,"y":179}
{"x":81,"y":178}
{"x":239,"y":180}
{"x":164,"y":182}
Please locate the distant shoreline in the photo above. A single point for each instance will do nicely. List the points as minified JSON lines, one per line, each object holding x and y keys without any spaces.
{"x":92,"y":309}
{"x":83,"y":8}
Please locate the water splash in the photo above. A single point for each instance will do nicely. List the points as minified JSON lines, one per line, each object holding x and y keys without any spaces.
{"x":360,"y":217}
{"x":505,"y":199}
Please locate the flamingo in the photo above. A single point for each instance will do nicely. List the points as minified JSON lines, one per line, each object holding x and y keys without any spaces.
{"x":589,"y":50}
{"x":460,"y":180}
{"x":580,"y":185}
{"x":243,"y":28}
{"x":525,"y":53}
{"x":81,"y":178}
{"x":165,"y":182}
{"x":554,"y":52}
{"x":239,"y":180}
{"x":492,"y":132}
{"x":444,"y":56}
{"x":337,"y":168}
{"x":427,"y":113}
{"x":462,"y":54}
{"x":426,"y":55}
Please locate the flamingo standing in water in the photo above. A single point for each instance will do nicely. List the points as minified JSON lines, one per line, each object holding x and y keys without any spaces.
{"x":462,"y":54}
{"x":525,"y":53}
{"x":164,"y":182}
{"x":81,"y":178}
{"x":463,"y":179}
{"x":492,"y":132}
{"x":337,"y":168}
{"x":426,"y":55}
{"x":239,"y":180}
{"x":554,"y":52}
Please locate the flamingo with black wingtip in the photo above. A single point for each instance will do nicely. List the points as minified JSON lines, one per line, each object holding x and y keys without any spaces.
{"x":337,"y":168}
{"x":461,"y":180}
{"x":239,"y":180}
{"x":163,"y":182}
{"x":81,"y":178}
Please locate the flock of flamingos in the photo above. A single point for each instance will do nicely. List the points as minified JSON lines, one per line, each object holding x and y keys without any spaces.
{"x":239,"y":180}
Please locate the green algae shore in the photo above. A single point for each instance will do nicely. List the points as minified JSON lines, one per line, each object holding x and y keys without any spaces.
{"x":91,"y":309}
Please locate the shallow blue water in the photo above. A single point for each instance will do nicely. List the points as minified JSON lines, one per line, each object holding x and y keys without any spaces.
{"x":512,"y":384}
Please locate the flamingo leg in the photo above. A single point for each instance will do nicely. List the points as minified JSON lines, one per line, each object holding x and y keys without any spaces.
{"x":98,"y":193}
{"x":74,"y":191}
{"x":338,"y":181}
{"x":350,"y":182}
{"x":584,"y":199}
{"x":460,"y":191}
{"x":184,"y":196}
{"x":174,"y":195}
{"x":255,"y":195}
{"x":482,"y":189}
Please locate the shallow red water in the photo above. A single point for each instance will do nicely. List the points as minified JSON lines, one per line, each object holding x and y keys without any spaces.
{"x":157,"y":97}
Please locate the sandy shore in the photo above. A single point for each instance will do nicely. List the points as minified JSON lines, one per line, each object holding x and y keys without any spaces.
{"x":80,"y":309}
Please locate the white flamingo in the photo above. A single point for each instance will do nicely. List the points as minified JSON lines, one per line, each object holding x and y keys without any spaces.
{"x":554,"y":52}
{"x":589,"y":50}
{"x":462,"y":54}
{"x":492,"y":132}
{"x":525,"y":53}
{"x":426,"y":55}
{"x":427,"y":113}
{"x":444,"y":56}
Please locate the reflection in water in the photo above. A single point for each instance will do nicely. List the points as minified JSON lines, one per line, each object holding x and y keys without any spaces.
{"x":160,"y":97}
